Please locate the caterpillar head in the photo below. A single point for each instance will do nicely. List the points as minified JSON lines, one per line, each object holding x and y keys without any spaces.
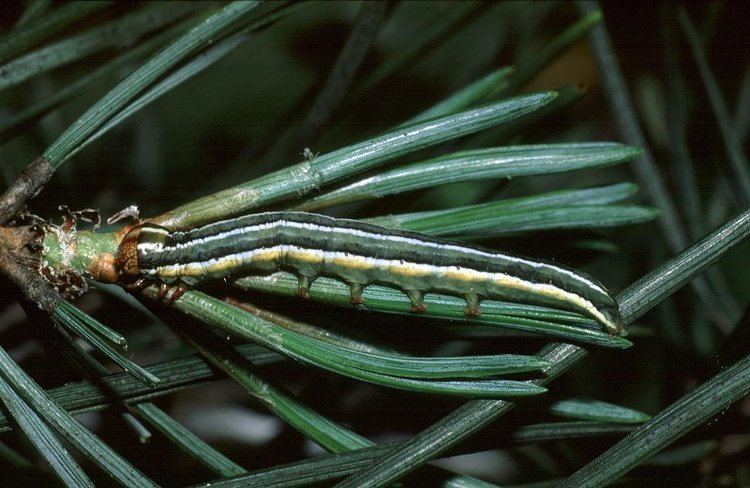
{"x":127,"y":254}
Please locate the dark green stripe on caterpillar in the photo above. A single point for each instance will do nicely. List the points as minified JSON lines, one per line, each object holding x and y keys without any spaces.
{"x":359,"y":254}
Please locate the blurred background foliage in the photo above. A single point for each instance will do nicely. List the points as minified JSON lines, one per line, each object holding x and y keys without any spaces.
{"x":239,"y":119}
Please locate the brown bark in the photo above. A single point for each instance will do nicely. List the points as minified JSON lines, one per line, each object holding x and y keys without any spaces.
{"x":28,"y":184}
{"x":21,"y":266}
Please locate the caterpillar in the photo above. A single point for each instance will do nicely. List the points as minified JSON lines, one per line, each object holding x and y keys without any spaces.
{"x":360,"y":254}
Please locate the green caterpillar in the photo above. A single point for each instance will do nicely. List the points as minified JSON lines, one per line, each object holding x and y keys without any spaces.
{"x":359,"y":254}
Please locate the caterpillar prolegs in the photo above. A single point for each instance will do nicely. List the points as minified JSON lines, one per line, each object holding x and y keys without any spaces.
{"x":359,"y":254}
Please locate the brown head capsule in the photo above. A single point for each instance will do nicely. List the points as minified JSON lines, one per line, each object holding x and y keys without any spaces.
{"x":127,"y":254}
{"x":104,"y":268}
